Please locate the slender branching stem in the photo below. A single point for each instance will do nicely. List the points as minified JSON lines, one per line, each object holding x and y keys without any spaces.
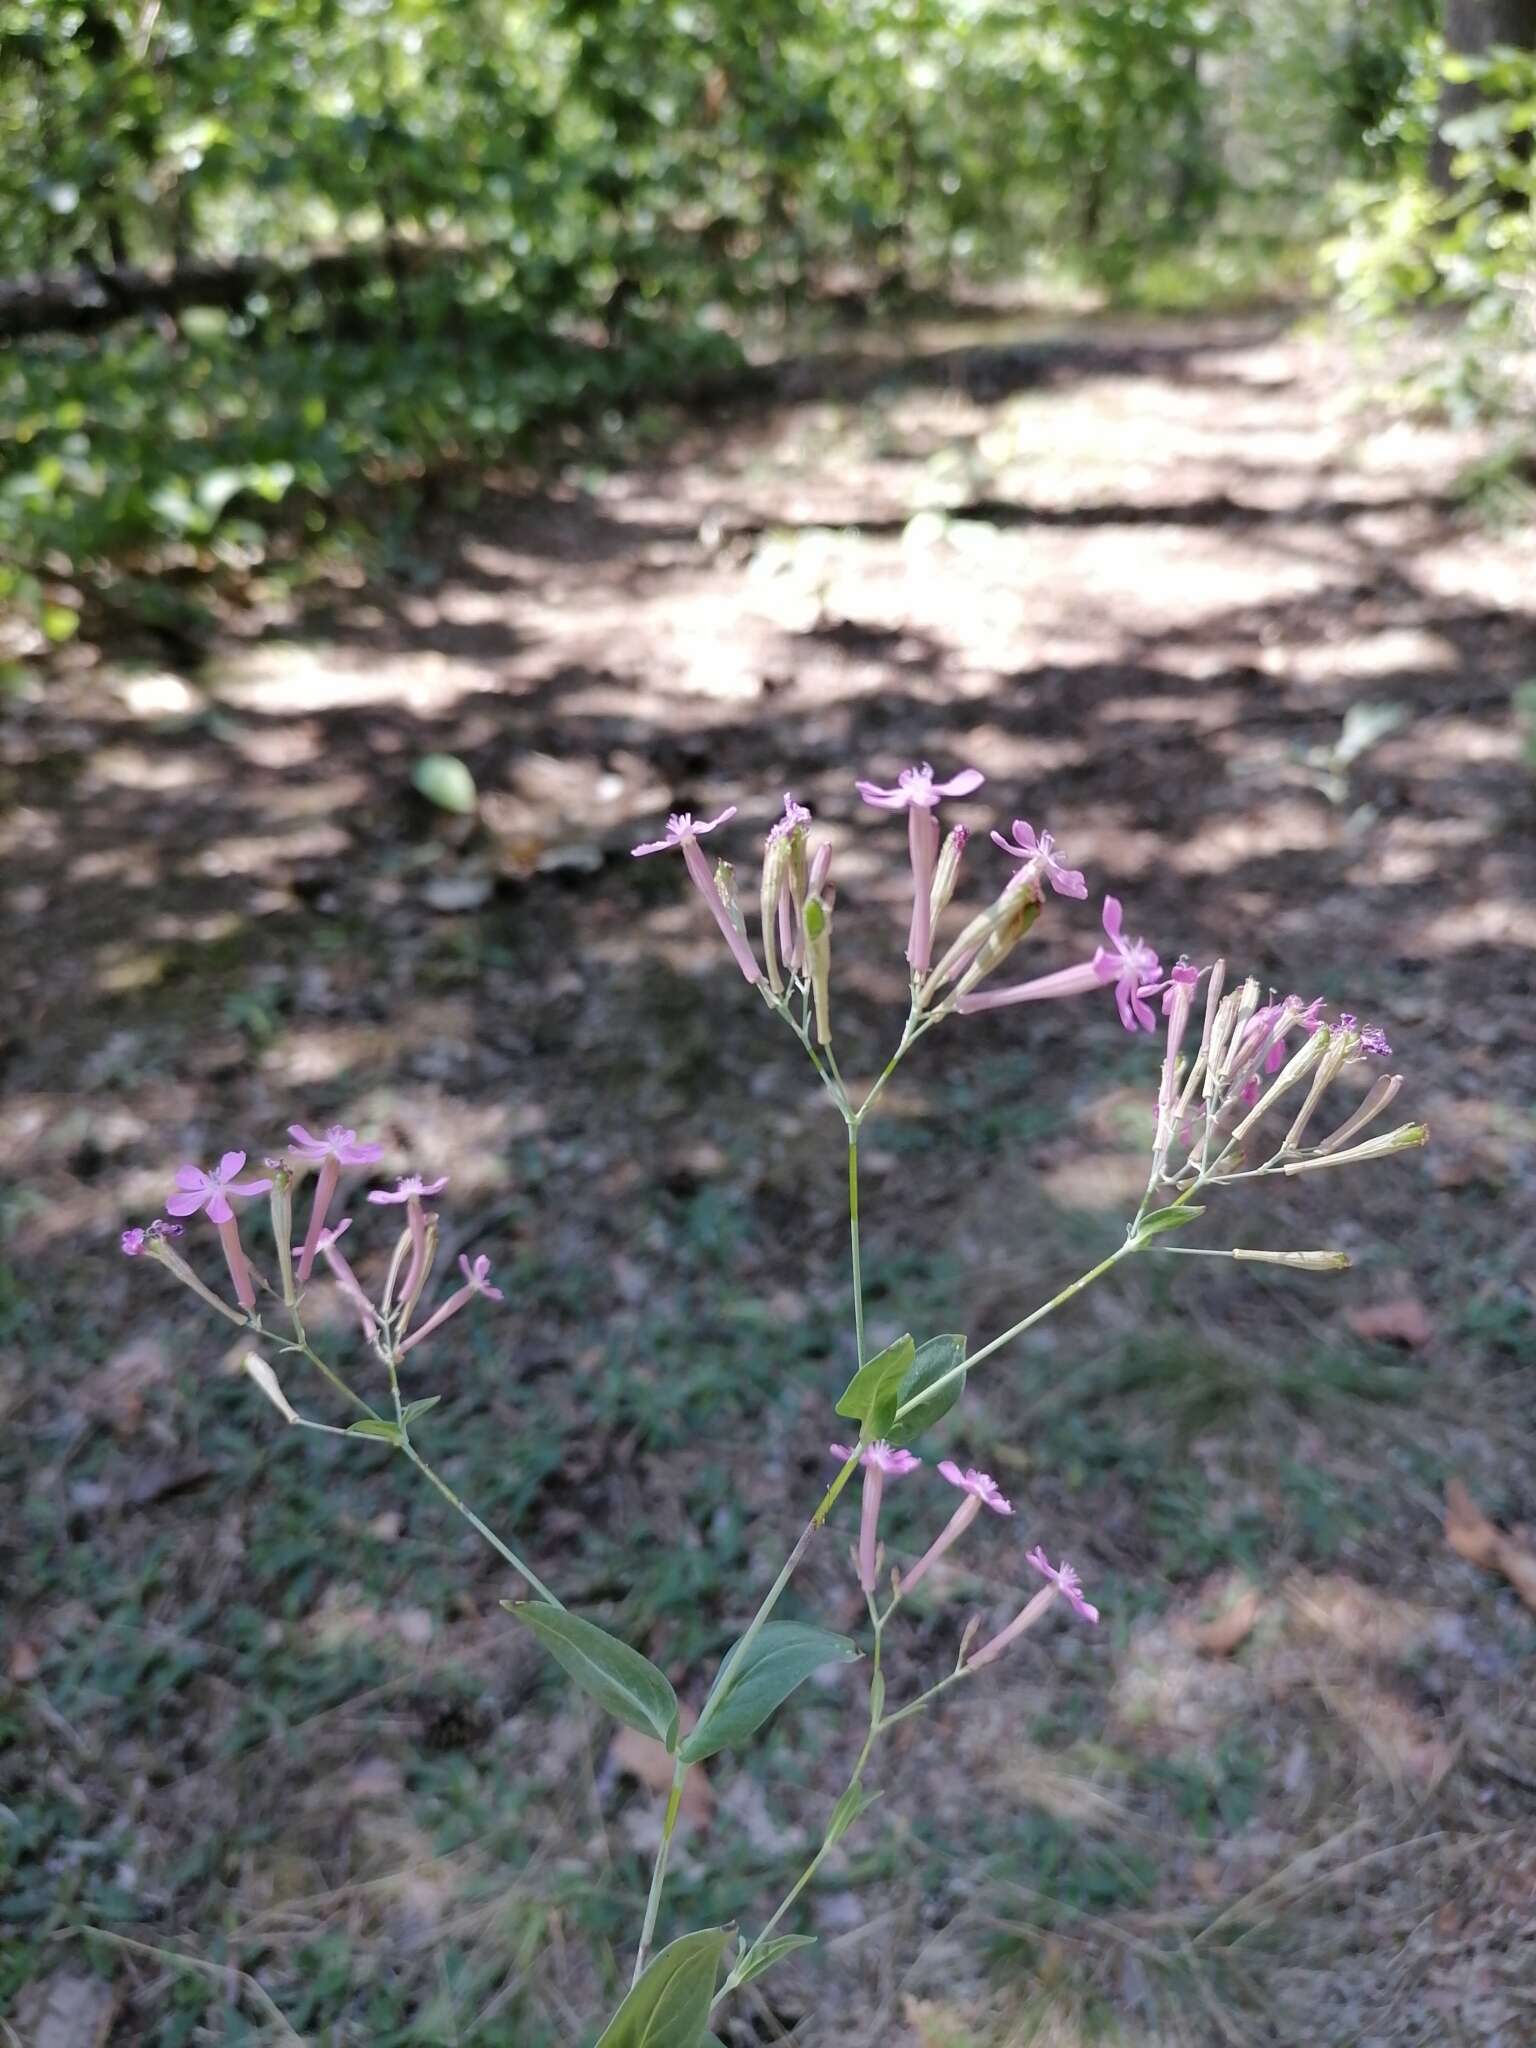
{"x":659,"y":1873}
{"x":503,"y":1550}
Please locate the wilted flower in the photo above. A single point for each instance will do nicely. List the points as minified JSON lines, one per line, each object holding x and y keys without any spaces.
{"x":411,"y":1188}
{"x":683,"y":834}
{"x":132,"y":1243}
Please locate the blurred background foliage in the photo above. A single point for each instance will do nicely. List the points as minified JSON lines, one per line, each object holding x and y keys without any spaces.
{"x":259,"y":257}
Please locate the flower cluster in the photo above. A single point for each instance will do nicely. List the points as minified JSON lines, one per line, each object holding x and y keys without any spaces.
{"x":386,"y":1321}
{"x":796,"y":900}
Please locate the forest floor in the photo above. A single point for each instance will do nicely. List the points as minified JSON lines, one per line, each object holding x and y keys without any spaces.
{"x":261,"y":1706}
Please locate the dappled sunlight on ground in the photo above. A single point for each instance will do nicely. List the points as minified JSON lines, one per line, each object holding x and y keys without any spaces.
{"x":1137,"y":574}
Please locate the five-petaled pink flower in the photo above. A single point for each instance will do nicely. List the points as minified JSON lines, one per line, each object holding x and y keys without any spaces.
{"x":1039,"y":852}
{"x":1066,"y":1582}
{"x":338,"y":1147}
{"x":1130,"y":964}
{"x":919,"y":795}
{"x":980,"y":1490}
{"x":197,"y":1189}
{"x":412,"y":1186}
{"x":477,"y":1280}
{"x":684,"y":834}
{"x":880,"y":1462}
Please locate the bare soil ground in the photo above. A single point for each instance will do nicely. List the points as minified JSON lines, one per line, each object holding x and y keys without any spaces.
{"x":263,"y":1708}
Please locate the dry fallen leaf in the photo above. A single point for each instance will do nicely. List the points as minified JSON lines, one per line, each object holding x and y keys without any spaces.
{"x":643,"y":1757}
{"x":1230,"y":1629}
{"x":1402,"y":1320}
{"x":1471,"y":1535}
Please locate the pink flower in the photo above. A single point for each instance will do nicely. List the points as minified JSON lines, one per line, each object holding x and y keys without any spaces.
{"x":210,"y":1192}
{"x":980,"y":1490}
{"x":684,"y":834}
{"x":980,"y":1485}
{"x":1066,"y":1582}
{"x":133,"y":1243}
{"x":918,"y":795}
{"x":879,"y":1457}
{"x":477,"y":1280}
{"x":1130,"y":964}
{"x":477,"y":1277}
{"x":917,"y":786}
{"x":1040,"y":853}
{"x":338,"y":1148}
{"x":411,"y":1188}
{"x":880,"y":1462}
{"x":681,"y":829}
{"x":338,"y":1143}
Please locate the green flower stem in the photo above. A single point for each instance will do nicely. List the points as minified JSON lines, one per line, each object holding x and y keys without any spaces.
{"x":659,"y":1873}
{"x":504,"y":1550}
{"x":1028,"y":1322}
{"x":853,"y":1237}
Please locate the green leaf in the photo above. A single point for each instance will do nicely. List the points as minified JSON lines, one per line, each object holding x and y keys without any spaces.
{"x":771,"y":1952}
{"x":386,"y":1432}
{"x":415,"y":1408}
{"x":628,"y":1685}
{"x":870,"y":1396}
{"x":780,"y":1657}
{"x":854,"y":1803}
{"x":936,"y":1358}
{"x":444,"y":780}
{"x":669,"y":2007}
{"x":1166,"y":1219}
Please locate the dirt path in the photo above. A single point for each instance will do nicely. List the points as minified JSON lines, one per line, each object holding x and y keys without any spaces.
{"x":1145,"y":578}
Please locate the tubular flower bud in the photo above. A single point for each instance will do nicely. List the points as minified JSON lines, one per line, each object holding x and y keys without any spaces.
{"x":947,"y":873}
{"x":816,"y":929}
{"x":265,"y":1378}
{"x":1301,"y":1262}
{"x":1403,"y":1139}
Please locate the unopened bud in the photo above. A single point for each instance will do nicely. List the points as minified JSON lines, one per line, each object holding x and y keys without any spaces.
{"x":821,"y":867}
{"x":775,"y":881}
{"x":1005,"y":934}
{"x":947,"y":872}
{"x":266,"y":1379}
{"x":1404,"y":1139}
{"x":816,"y":925}
{"x":281,"y":1200}
{"x":1303,"y":1262}
{"x":725,"y":886}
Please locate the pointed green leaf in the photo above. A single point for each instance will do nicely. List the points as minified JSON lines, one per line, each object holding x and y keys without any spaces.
{"x":413,"y":1409}
{"x":1166,"y":1219}
{"x":935,"y":1360}
{"x":628,"y":1685}
{"x":386,"y":1432}
{"x":669,"y":2007}
{"x":781,"y":1656}
{"x":870,"y":1396}
{"x":854,"y":1803}
{"x":766,"y":1954}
